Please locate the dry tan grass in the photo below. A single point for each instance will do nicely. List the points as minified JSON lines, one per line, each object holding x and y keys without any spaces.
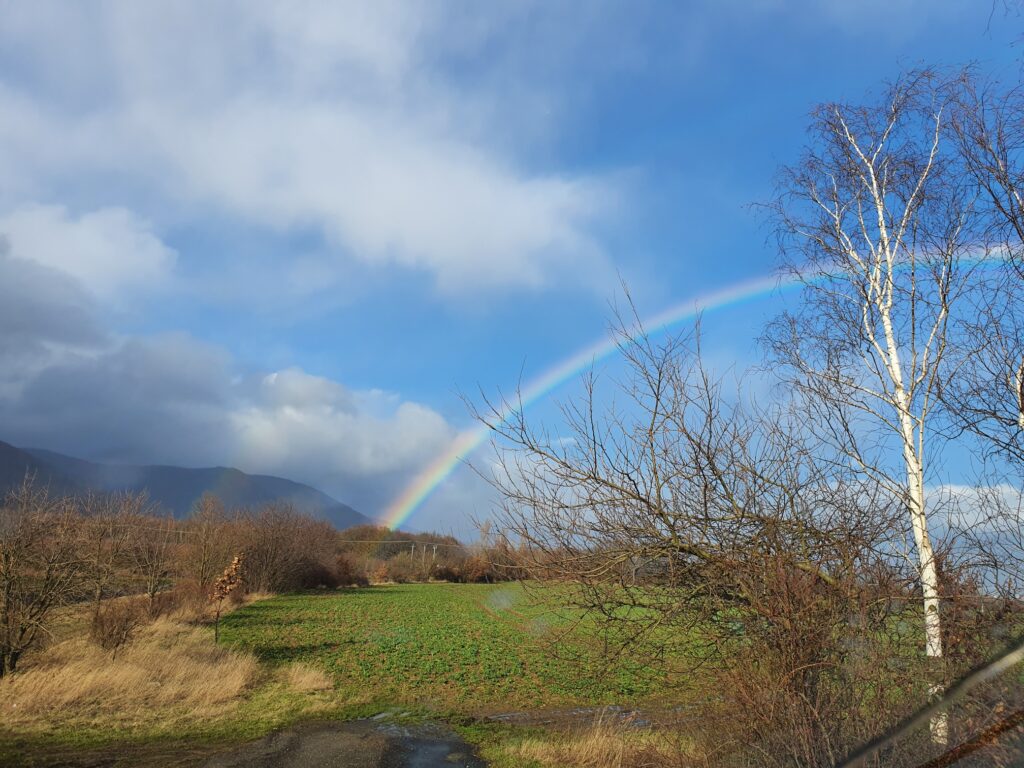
{"x":195,"y":607}
{"x":305,"y":678}
{"x":604,"y":744}
{"x":168,"y":665}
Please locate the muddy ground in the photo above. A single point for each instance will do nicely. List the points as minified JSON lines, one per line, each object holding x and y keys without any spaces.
{"x":381,"y":742}
{"x":359,"y":744}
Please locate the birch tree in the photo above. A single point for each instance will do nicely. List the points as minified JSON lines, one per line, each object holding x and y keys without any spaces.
{"x":874,"y":223}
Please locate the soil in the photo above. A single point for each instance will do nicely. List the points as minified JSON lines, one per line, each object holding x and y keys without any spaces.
{"x":359,"y":744}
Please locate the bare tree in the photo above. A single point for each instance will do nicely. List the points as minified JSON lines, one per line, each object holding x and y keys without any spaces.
{"x":151,"y":553}
{"x":208,"y":543}
{"x":875,"y":222}
{"x":701,"y":533}
{"x":39,"y":568}
{"x":285,"y":549}
{"x":987,"y":128}
{"x":987,"y":396}
{"x":105,"y":532}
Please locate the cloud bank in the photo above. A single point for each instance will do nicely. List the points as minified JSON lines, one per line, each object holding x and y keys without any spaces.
{"x":338,"y":119}
{"x":72,"y":386}
{"x":70,"y":383}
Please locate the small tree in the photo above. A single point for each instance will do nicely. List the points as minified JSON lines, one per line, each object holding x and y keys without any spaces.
{"x":151,"y":552}
{"x":105,"y":533}
{"x":225,"y":584}
{"x":39,"y":567}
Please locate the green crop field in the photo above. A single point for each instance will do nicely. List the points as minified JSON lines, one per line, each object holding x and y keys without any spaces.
{"x":453,"y":653}
{"x":441,"y":648}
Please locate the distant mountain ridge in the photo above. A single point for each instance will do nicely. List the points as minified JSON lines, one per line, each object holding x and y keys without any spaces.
{"x":175,"y":489}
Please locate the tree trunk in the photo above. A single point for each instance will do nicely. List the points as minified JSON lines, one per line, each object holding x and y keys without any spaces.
{"x":8,"y":662}
{"x":929,"y":582}
{"x":97,"y":601}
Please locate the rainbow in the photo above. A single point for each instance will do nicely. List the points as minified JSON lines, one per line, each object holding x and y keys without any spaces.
{"x":404,"y":505}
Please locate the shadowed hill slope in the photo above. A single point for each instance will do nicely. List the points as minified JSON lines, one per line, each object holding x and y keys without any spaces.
{"x":175,"y":489}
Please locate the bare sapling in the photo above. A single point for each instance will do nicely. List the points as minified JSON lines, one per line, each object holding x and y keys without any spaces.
{"x":225,"y":584}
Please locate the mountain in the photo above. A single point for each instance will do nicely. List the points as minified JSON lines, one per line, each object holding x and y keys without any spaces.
{"x":173,"y":488}
{"x":15,"y":464}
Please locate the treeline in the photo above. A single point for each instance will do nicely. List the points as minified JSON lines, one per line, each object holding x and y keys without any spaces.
{"x":374,"y":554}
{"x":58,"y":550}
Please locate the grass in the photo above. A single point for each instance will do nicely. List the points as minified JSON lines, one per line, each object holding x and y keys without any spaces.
{"x":600,"y":744}
{"x":170,"y":667}
{"x":307,"y":679}
{"x":168,"y":687}
{"x":435,"y":650}
{"x":448,"y":649}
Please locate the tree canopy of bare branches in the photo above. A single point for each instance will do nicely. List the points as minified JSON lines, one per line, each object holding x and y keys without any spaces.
{"x":39,"y":567}
{"x":699,"y":531}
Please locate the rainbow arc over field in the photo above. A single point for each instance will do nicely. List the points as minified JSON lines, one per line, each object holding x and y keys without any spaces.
{"x":404,"y":505}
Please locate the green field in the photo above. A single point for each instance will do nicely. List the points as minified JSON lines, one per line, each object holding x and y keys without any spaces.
{"x":447,"y":652}
{"x":440,"y":648}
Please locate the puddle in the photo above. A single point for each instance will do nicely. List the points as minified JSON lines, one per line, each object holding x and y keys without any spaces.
{"x":383,"y":741}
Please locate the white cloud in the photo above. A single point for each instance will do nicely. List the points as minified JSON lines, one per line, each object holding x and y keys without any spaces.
{"x":386,"y":194}
{"x":109,"y":251}
{"x":335,"y":118}
{"x":973,"y":504}
{"x":171,"y":399}
{"x":295,"y":421}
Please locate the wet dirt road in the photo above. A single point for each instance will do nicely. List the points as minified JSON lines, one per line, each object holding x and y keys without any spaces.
{"x":359,"y":744}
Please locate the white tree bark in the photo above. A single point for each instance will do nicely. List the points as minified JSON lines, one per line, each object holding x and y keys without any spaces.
{"x":878,"y":227}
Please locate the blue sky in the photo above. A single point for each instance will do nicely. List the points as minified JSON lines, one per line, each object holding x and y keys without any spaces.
{"x":286,"y":236}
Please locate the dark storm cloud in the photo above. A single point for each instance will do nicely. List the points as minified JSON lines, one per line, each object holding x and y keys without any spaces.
{"x":154,"y":400}
{"x":40,"y":306}
{"x":69,"y":386}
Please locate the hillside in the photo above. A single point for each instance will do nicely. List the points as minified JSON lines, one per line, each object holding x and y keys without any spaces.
{"x":173,"y":488}
{"x":16,"y":464}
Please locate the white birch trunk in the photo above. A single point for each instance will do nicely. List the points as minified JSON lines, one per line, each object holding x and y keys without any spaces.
{"x":890,"y":276}
{"x":912,"y":438}
{"x":911,"y":432}
{"x":929,"y":580}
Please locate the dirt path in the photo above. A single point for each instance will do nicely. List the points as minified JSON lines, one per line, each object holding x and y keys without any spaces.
{"x":360,"y":744}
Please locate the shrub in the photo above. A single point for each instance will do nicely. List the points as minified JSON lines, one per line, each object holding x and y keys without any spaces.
{"x":379,"y":572}
{"x":285,"y":550}
{"x":347,"y":575}
{"x":405,"y":568}
{"x":116,"y":622}
{"x":188,"y":601}
{"x":446,"y":572}
{"x":478,"y":569}
{"x":310,"y":573}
